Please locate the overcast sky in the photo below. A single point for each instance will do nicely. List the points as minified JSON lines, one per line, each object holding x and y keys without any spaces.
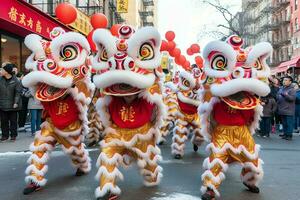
{"x":187,"y":18}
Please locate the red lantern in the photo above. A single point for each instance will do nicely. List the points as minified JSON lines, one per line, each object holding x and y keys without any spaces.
{"x":90,"y":40}
{"x":171,"y":46}
{"x":115,"y":29}
{"x":195,"y":48}
{"x":170,"y":35}
{"x":199,"y":61}
{"x":182,"y":59}
{"x":99,"y":20}
{"x":189,"y":51}
{"x":164,"y":46}
{"x":176,"y":52}
{"x":66,"y":13}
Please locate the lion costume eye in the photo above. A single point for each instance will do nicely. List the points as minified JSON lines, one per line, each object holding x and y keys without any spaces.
{"x":69,"y":52}
{"x":258,"y":65}
{"x":218,"y":62}
{"x":146,"y":52}
{"x":186,"y":83}
{"x":103,"y":56}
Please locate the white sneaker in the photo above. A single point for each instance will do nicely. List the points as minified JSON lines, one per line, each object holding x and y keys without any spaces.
{"x":296,"y":134}
{"x":21,"y":129}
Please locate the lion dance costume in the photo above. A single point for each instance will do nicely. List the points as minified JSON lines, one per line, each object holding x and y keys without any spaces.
{"x":132,"y":108}
{"x":230,"y":111}
{"x":169,"y":98}
{"x":95,"y":124}
{"x":59,"y":79}
{"x":187,"y":118}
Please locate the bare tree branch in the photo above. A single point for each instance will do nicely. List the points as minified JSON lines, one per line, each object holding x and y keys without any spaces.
{"x":234,"y":22}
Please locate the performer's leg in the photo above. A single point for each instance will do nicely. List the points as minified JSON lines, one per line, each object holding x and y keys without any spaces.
{"x":148,"y":154}
{"x":108,"y":161}
{"x":43,"y":144}
{"x":179,"y":137}
{"x":197,"y":138}
{"x":164,"y":132}
{"x":215,"y":166}
{"x":252,"y":172}
{"x":79,"y":155}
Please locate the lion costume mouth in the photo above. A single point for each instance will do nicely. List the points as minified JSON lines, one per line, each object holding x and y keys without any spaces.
{"x":242,"y":100}
{"x":49,"y":93}
{"x":121,"y":89}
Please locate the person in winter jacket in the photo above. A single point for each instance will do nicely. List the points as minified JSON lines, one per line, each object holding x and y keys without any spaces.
{"x":10,"y":102}
{"x":269,"y":108}
{"x":35,"y":107}
{"x":286,"y":107}
{"x":297,"y":108}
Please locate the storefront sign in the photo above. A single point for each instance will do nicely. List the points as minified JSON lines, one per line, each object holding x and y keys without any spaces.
{"x":122,"y":6}
{"x":82,"y":23}
{"x":19,"y":13}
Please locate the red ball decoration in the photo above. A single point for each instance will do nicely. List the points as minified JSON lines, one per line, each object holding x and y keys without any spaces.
{"x":164,"y":46}
{"x":182,"y":60}
{"x":199,"y":61}
{"x":170,"y":35}
{"x":115,"y":29}
{"x":66,"y":13}
{"x":91,"y":42}
{"x":189,"y":51}
{"x":177,"y":60}
{"x":186,"y":64}
{"x":99,"y":20}
{"x":176,"y":52}
{"x":171,"y":46}
{"x":195,"y":48}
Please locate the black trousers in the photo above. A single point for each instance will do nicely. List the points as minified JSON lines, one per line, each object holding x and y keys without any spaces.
{"x":22,"y":117}
{"x":9,"y":123}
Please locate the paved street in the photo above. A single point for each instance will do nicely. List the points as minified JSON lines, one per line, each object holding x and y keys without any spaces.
{"x":181,"y":180}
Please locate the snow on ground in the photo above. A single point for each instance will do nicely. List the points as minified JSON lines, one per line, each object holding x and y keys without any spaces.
{"x":176,"y":196}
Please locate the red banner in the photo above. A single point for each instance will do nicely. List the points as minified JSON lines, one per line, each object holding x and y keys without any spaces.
{"x":26,"y":16}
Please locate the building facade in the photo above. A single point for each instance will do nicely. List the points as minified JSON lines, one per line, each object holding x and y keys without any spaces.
{"x":275,"y":21}
{"x":141,"y":13}
{"x":257,"y":22}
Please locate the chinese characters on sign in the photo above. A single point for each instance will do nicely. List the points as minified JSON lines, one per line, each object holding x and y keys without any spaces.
{"x":82,"y":23}
{"x":25,"y":21}
{"x":122,"y":6}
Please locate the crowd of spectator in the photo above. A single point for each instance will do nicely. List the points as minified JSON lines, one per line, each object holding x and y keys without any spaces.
{"x":15,"y":102}
{"x":281,"y":108}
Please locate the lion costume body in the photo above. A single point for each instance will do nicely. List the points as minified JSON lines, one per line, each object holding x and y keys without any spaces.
{"x":233,"y":78}
{"x":59,"y":79}
{"x":132,"y":108}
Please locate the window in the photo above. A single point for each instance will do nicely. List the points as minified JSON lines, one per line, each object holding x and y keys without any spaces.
{"x":296,"y":4}
{"x":296,"y":24}
{"x":13,"y":50}
{"x":10,"y":50}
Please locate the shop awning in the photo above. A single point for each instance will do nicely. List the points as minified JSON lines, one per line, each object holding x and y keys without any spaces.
{"x":22,"y":18}
{"x":294,"y":62}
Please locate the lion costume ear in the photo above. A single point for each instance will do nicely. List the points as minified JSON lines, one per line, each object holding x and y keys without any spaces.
{"x":34,"y":43}
{"x":106,"y":48}
{"x":257,"y":58}
{"x":220,"y":59}
{"x":144,"y":47}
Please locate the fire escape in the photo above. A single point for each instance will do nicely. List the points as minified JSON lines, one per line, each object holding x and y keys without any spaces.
{"x":146,"y":14}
